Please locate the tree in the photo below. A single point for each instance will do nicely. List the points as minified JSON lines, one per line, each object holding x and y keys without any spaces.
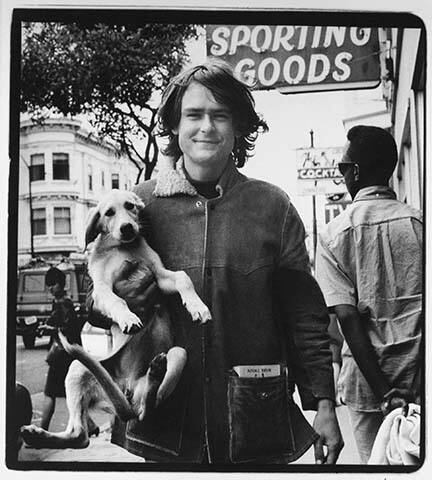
{"x":109,"y":72}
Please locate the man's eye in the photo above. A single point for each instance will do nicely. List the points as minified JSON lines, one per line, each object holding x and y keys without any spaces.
{"x":129,"y":206}
{"x":110,"y":212}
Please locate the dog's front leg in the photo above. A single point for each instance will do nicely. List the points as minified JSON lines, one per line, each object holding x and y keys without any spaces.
{"x":181,"y":283}
{"x":177,"y":282}
{"x":111,"y":305}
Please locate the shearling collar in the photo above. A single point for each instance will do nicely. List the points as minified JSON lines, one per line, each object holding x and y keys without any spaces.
{"x":172,"y":179}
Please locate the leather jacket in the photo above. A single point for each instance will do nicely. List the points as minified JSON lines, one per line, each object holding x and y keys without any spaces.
{"x":245,"y":254}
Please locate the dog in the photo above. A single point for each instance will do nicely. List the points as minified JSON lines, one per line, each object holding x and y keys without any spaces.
{"x":145,"y":365}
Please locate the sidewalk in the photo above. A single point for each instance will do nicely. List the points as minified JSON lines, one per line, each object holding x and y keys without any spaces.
{"x":101,"y":449}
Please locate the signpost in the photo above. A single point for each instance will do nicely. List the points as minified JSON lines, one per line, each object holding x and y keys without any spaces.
{"x":333,"y":208}
{"x":317,"y":171}
{"x":318,"y":174}
{"x":298,"y":58}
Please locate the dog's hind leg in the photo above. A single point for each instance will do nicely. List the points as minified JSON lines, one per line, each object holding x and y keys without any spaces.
{"x":82,"y":390}
{"x":146,"y":387}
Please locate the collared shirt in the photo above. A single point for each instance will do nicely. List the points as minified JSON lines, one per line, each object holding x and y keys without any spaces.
{"x":370,"y":256}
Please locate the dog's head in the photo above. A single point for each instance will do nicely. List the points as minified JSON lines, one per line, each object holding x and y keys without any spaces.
{"x":116,"y":215}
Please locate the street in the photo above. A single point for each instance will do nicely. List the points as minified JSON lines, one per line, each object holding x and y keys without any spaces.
{"x":31,"y":371}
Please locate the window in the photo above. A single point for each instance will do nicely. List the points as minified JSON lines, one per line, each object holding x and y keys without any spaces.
{"x":115,"y":180}
{"x":103,"y":179}
{"x":90,"y":177}
{"x":60,"y":166}
{"x":34,"y":283}
{"x":37,"y":167}
{"x":39,"y":221}
{"x":62,"y":221}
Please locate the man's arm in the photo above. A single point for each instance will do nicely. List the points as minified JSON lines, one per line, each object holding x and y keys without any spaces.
{"x":354,"y":331}
{"x":305,"y":319}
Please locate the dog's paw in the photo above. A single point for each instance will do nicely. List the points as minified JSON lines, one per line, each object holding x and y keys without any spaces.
{"x":30,"y":434}
{"x":35,"y":436}
{"x":144,"y":396}
{"x":130,"y":323}
{"x":157,"y":368}
{"x":198,"y":310}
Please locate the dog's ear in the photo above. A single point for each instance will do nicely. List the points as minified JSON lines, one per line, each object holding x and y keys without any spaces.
{"x":93,"y":225}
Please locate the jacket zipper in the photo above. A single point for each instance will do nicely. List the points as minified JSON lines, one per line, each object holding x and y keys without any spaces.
{"x":204,"y":330}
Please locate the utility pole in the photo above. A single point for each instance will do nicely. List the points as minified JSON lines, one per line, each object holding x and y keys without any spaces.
{"x":314,"y":219}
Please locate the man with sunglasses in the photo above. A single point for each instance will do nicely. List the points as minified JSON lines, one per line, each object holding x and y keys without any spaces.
{"x":369,"y":266}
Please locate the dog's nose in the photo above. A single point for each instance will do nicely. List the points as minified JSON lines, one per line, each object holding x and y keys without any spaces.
{"x":127,"y":231}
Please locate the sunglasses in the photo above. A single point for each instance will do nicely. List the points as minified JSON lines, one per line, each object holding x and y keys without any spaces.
{"x":344,"y":166}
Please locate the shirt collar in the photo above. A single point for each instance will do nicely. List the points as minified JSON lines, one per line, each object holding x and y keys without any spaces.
{"x":375,"y":192}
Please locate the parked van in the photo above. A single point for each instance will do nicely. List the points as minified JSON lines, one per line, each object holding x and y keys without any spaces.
{"x":34,"y":301}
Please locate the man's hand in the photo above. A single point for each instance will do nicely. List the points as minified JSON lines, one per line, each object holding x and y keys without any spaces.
{"x":136,"y":284}
{"x":327,"y":426}
{"x":395,"y":398}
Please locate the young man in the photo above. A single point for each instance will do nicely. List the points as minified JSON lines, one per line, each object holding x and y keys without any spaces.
{"x":242,"y":243}
{"x":369,"y":266}
{"x":63,"y":317}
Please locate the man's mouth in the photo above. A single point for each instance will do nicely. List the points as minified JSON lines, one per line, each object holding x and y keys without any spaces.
{"x":209,"y":142}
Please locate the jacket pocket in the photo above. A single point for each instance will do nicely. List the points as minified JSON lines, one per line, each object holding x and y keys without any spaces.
{"x":259,"y":420}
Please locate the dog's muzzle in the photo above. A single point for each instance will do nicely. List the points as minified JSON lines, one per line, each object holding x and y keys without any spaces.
{"x":128,"y":232}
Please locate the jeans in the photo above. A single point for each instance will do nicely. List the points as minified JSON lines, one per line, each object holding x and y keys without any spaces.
{"x":365,"y":428}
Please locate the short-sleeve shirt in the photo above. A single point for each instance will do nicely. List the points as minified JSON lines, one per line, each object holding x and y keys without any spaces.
{"x":370,"y":256}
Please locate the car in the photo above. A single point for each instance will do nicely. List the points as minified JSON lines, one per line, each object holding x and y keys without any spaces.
{"x":34,"y":301}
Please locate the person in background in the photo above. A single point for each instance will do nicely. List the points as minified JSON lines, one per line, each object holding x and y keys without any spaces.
{"x":22,"y":412}
{"x":241,"y":241}
{"x":369,"y":266}
{"x":63,"y":318}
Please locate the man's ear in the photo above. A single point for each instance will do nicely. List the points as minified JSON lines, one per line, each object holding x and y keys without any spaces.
{"x":93,"y":226}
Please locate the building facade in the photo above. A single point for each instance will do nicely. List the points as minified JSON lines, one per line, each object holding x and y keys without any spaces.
{"x":403,"y":93}
{"x":63,"y":172}
{"x":406,"y":100}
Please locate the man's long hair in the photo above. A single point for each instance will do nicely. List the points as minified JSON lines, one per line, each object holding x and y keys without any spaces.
{"x":218,"y":77}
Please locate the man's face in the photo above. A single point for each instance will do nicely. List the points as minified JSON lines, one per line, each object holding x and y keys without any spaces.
{"x":205,"y":131}
{"x":349,"y":172}
{"x":55,"y":289}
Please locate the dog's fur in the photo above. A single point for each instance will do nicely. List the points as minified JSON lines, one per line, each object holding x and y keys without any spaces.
{"x":145,"y":364}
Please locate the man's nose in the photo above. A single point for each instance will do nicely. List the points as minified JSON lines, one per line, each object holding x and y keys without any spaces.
{"x":207,"y":123}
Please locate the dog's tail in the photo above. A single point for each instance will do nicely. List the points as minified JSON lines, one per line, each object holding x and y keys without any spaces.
{"x":118,"y":398}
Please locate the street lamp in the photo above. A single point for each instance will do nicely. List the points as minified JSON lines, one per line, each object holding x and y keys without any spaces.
{"x":30,"y":206}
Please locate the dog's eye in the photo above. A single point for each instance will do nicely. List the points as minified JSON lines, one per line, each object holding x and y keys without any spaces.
{"x":110,"y":212}
{"x":129,"y":205}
